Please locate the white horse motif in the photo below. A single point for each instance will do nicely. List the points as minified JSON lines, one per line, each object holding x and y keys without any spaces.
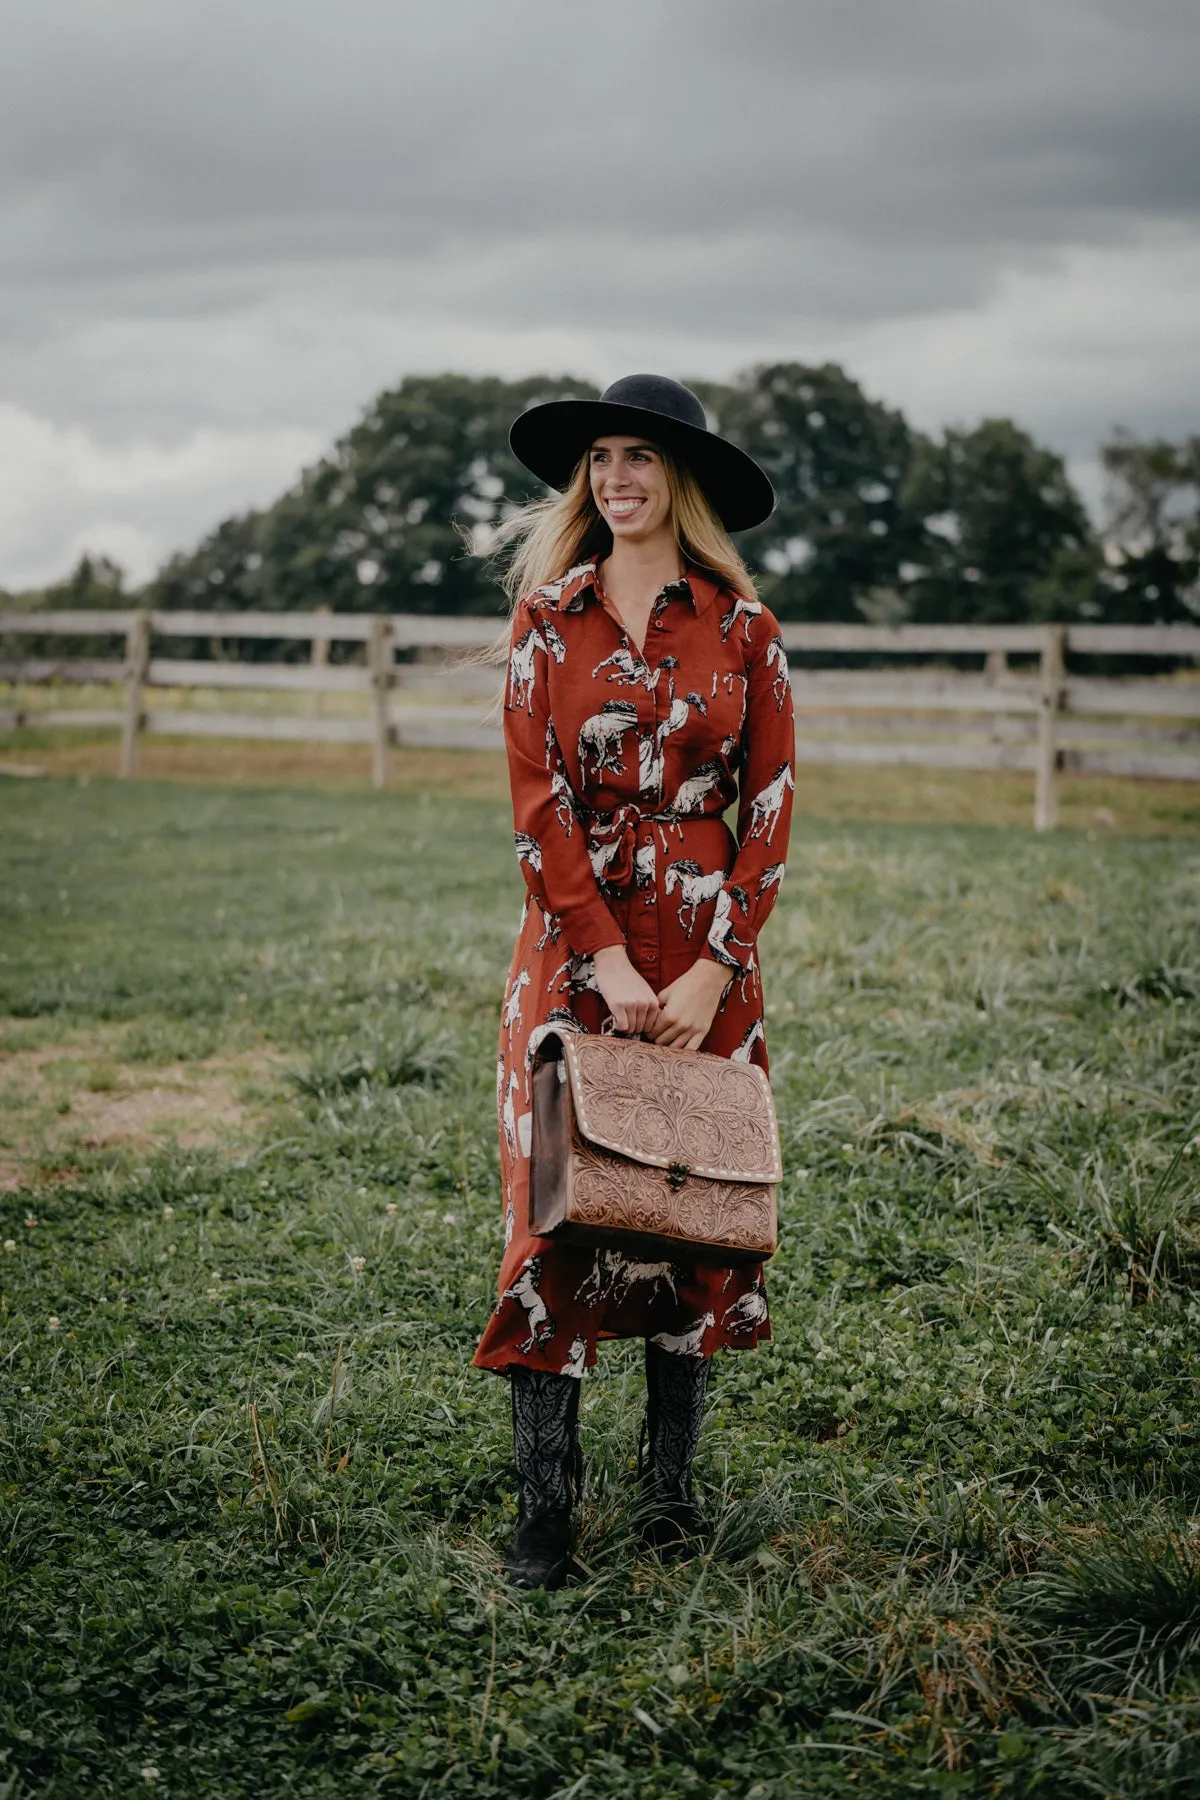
{"x":628,"y":669}
{"x":551,"y":929}
{"x":776,"y":658}
{"x":686,"y":1343}
{"x":508,"y":1114}
{"x":559,"y":1018}
{"x":564,"y":801}
{"x":512,"y":1010}
{"x":529,"y":851}
{"x":520,"y":668}
{"x":749,"y":1311}
{"x":767,"y":805}
{"x":755,"y":1035}
{"x":613,"y":1275}
{"x":579,"y":973}
{"x":644,"y":865}
{"x":524,"y":1291}
{"x":601,"y":855}
{"x":770,"y":877}
{"x":553,"y":591}
{"x":650,"y":765}
{"x":576,"y":1363}
{"x":745,"y":610}
{"x":720,"y":932}
{"x":692,"y":793}
{"x":600,"y":736}
{"x":677,"y":713}
{"x":554,"y":642}
{"x":696,"y":886}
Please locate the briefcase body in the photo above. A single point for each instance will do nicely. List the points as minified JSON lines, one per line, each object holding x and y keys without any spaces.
{"x":657,"y":1152}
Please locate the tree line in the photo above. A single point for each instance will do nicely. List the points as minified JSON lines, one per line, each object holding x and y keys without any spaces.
{"x":876,"y":521}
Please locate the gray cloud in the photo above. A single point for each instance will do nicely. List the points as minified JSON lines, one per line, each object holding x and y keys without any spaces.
{"x":242,"y":220}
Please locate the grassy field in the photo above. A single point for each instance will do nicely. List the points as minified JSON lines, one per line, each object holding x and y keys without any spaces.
{"x":254,"y":1499}
{"x":1087,"y":802}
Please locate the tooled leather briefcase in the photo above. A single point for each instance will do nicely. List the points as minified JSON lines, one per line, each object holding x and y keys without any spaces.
{"x":646,"y":1149}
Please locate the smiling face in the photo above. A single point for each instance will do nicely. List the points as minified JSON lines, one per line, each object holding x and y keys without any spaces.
{"x":630,"y":487}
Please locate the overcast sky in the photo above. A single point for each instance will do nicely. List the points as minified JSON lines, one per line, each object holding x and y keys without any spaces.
{"x":224,"y":226}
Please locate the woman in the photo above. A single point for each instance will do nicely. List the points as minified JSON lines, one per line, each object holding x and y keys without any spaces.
{"x":646,"y":686}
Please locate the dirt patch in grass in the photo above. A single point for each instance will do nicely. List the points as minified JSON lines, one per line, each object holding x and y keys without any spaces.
{"x":61,"y":1103}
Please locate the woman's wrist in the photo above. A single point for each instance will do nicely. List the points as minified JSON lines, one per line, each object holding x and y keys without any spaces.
{"x":718,"y":973}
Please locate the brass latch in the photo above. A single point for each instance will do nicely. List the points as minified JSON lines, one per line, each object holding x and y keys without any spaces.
{"x":677,"y":1174}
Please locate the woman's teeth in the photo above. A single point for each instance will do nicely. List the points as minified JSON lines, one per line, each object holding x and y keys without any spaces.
{"x":621,"y":509}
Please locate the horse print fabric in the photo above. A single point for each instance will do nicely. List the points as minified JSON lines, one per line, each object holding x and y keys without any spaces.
{"x":622,"y":765}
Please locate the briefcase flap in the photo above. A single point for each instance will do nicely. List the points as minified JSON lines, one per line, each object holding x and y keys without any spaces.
{"x":682,"y":1110}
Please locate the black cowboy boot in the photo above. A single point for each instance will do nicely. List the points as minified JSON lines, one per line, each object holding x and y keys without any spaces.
{"x":675,"y":1391}
{"x":545,"y":1411}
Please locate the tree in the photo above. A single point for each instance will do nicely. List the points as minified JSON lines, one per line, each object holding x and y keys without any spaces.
{"x":95,"y":582}
{"x":838,"y":462}
{"x":1005,"y":536}
{"x":1152,"y":530}
{"x":379,"y":523}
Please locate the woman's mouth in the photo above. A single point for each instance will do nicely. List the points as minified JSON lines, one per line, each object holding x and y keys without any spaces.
{"x":623,"y":508}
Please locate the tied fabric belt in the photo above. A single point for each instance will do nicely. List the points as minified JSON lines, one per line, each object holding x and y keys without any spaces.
{"x":612,"y":837}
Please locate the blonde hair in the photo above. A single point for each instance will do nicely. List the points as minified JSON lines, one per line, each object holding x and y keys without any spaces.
{"x":548,"y":537}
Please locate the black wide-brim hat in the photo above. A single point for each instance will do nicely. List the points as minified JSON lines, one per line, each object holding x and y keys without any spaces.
{"x":550,"y":439}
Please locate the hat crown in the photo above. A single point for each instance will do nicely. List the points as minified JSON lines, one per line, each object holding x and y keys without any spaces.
{"x":658,"y":394}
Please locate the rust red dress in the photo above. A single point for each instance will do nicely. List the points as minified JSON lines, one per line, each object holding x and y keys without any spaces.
{"x":622,"y":766}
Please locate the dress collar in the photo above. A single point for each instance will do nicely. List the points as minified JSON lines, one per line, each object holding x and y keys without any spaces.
{"x":573,"y":591}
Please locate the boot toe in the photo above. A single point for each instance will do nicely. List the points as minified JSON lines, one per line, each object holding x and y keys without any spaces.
{"x":541,"y":1552}
{"x":673,"y":1530}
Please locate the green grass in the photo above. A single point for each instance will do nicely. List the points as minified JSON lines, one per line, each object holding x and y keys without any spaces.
{"x":255,"y":1500}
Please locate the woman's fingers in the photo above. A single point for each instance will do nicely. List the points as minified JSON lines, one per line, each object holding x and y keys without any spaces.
{"x":673,"y":1032}
{"x":632,"y":1016}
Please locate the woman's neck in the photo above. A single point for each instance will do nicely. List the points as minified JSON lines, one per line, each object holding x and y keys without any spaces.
{"x":637,"y":572}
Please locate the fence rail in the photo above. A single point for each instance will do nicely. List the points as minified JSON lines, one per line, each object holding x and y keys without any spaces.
{"x":1041,"y":719}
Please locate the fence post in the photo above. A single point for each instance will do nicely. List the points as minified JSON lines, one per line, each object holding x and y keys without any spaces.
{"x":137,"y":659}
{"x":1050,"y":670}
{"x":382,"y":656}
{"x":320,"y":660}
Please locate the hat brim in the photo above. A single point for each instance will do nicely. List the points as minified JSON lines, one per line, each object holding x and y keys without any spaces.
{"x":550,"y":439}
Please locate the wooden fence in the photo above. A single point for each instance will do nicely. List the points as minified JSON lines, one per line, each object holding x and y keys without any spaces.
{"x":1034,"y":714}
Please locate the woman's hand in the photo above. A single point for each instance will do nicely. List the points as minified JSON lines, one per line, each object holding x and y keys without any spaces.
{"x":631,"y":1001}
{"x":689,"y":1005}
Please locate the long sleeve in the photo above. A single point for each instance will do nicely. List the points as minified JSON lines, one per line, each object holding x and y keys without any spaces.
{"x":766,"y":785}
{"x":551,"y":846}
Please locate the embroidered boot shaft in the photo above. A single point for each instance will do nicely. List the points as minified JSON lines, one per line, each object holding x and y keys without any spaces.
{"x":676,"y":1389}
{"x":545,"y":1410}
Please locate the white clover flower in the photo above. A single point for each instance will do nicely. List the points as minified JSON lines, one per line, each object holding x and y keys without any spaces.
{"x":358,"y":1264}
{"x":10,"y":1246}
{"x":149,"y":1773}
{"x":390,"y":1209}
{"x":449,"y":1218}
{"x":168,"y":1213}
{"x":52,"y":1323}
{"x":213,"y":1294}
{"x":30,"y":1220}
